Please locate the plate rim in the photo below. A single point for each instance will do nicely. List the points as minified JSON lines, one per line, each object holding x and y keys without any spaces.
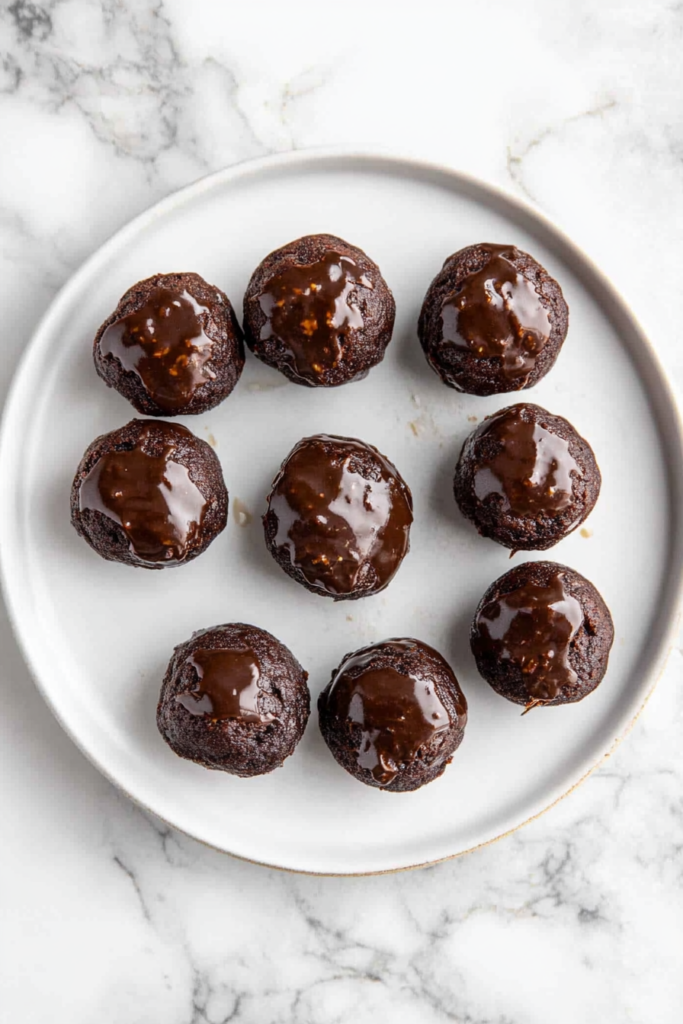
{"x":411,"y":166}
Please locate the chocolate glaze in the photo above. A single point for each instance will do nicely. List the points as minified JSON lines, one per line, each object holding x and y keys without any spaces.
{"x":533,"y":626}
{"x":533,"y":469}
{"x":397,"y":713}
{"x":227,"y":685}
{"x":309,"y":308}
{"x":165,"y":344}
{"x":151,"y":497}
{"x":497,"y":313}
{"x":333,"y":521}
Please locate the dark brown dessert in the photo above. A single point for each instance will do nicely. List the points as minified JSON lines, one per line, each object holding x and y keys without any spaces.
{"x":526,"y":478}
{"x":393,"y":715}
{"x":493,"y":320}
{"x":319,"y":311}
{"x":338,"y":518}
{"x":172,"y":346}
{"x":234,"y":698}
{"x":149,"y":494}
{"x":542,"y":635}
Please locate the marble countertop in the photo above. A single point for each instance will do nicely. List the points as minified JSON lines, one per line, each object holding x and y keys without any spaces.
{"x":106,"y":914}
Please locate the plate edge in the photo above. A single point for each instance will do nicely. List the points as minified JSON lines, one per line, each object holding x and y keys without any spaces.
{"x":409,"y":164}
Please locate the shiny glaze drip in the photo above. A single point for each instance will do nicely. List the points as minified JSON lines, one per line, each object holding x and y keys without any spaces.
{"x":398,"y":713}
{"x":164,"y":342}
{"x":227,"y":685}
{"x":533,"y":627}
{"x":309,"y":309}
{"x":333,"y":521}
{"x":533,"y":470}
{"x":151,"y":497}
{"x":496,"y":312}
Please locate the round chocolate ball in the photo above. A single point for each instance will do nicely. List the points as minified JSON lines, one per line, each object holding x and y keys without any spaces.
{"x":172,"y":346}
{"x":525,"y":478}
{"x":319,"y":311}
{"x":542,"y":635}
{"x":234,"y":698}
{"x":338,"y":518}
{"x":393,"y":715}
{"x":493,"y":320}
{"x":149,"y":494}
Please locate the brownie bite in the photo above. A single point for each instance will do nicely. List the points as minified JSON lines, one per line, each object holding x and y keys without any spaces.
{"x":493,"y":320}
{"x":149,"y":494}
{"x":542,"y":635}
{"x":526,"y":478}
{"x":319,"y":311}
{"x":172,"y":346}
{"x":393,"y":715}
{"x":235,"y":699}
{"x":339,"y":516}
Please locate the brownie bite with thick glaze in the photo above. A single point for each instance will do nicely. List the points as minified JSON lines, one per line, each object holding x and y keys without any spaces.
{"x":542,"y":635}
{"x":172,"y":346}
{"x":149,"y":494}
{"x":526,"y":478}
{"x":393,"y":714}
{"x":493,"y":320}
{"x":319,"y":311}
{"x":235,"y":699}
{"x":338,"y":518}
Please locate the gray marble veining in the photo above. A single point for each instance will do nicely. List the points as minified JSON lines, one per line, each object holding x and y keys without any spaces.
{"x":109,"y":915}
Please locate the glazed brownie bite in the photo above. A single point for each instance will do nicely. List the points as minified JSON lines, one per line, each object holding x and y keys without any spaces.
{"x":338,"y":518}
{"x":493,"y":320}
{"x":393,"y":715}
{"x":319,"y":311}
{"x":172,"y":346}
{"x":235,"y":699}
{"x":542,"y":635}
{"x":149,"y":494}
{"x":526,"y":478}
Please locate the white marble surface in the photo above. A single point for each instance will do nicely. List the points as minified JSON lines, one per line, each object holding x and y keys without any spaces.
{"x":105,"y":914}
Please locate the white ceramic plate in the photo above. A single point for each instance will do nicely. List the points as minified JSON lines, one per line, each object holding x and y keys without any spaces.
{"x":98,"y":635}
